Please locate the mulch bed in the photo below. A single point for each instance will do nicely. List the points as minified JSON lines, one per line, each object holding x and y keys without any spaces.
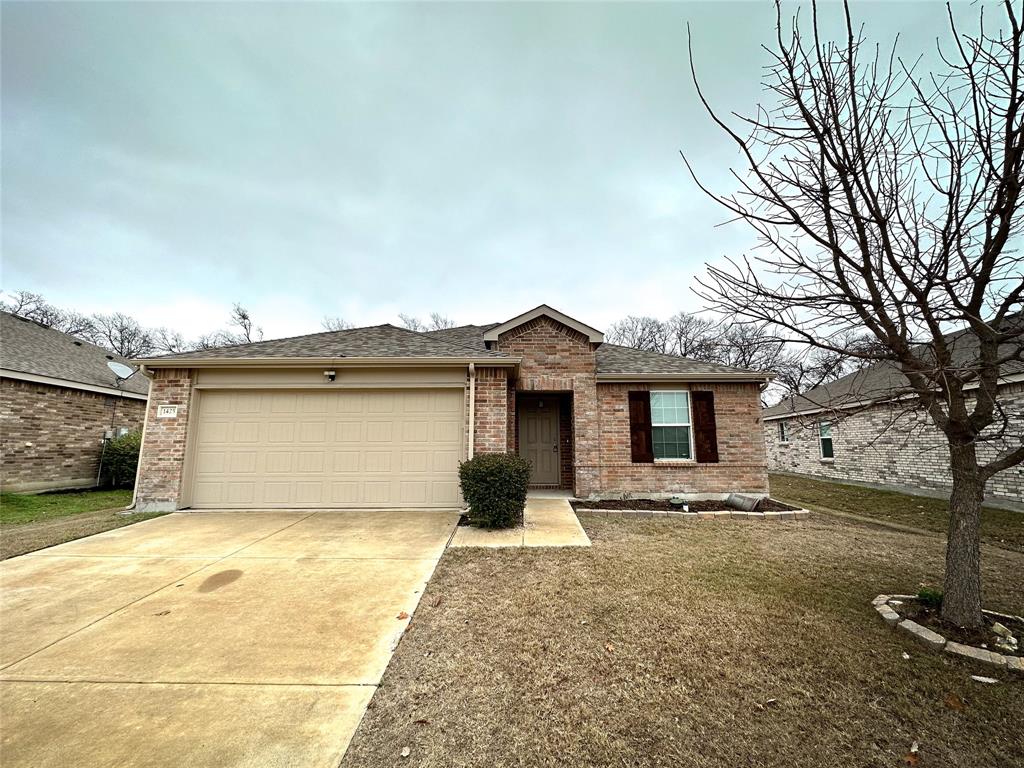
{"x":929,"y":617}
{"x":662,"y":505}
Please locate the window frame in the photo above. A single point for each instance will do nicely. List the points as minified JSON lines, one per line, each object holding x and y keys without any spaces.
{"x":821,"y":441}
{"x":688,"y":425}
{"x":783,"y":432}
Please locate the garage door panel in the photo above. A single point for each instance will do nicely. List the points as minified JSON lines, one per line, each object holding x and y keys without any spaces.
{"x":342,"y":448}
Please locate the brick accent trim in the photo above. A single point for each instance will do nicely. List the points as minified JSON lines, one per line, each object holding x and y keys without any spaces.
{"x":162,"y":461}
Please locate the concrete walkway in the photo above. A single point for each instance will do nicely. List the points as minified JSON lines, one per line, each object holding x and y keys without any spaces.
{"x":208,"y":639}
{"x":548,"y":521}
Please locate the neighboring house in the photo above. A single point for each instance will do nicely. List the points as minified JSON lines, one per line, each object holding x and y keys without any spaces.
{"x":866,"y":428}
{"x":382,"y":416}
{"x":58,"y":402}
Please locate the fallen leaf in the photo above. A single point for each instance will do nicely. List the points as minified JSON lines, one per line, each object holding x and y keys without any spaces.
{"x":911,"y":758}
{"x":161,"y":613}
{"x":405,"y":751}
{"x":421,"y":721}
{"x":438,"y":601}
{"x":954,"y":702}
{"x":610,"y":648}
{"x":402,"y":615}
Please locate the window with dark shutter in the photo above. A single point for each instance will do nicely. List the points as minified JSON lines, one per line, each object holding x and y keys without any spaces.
{"x":705,"y":433}
{"x":640,"y":441}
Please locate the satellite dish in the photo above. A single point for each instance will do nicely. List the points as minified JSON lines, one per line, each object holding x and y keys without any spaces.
{"x":120,"y":370}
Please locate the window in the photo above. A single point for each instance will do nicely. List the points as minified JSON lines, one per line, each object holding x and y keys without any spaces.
{"x":825,"y":439}
{"x":783,"y":437}
{"x":670,"y":425}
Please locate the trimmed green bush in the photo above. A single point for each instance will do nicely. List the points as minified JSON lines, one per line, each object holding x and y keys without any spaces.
{"x":494,"y":486}
{"x":121,"y":459}
{"x":931,"y":597}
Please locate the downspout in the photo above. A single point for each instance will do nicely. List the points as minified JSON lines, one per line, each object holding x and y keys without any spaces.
{"x":142,"y":443}
{"x":472,"y":408}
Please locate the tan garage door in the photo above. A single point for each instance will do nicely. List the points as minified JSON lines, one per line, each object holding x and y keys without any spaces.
{"x":374,"y":448}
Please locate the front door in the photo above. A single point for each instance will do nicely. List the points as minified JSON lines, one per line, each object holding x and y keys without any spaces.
{"x":538,"y":443}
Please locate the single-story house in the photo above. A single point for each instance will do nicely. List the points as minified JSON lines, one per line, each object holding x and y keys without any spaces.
{"x":866,"y":428}
{"x":380,"y":417}
{"x":59,"y":401}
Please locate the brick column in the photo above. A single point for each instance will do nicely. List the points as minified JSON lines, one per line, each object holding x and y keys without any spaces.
{"x":586,"y":426}
{"x":162,"y":461}
{"x":490,"y":431}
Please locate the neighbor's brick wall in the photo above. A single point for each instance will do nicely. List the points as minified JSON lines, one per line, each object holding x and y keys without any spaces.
{"x":162,"y":463}
{"x":52,"y":437}
{"x":490,"y":428}
{"x":556,"y":358}
{"x":741,"y":467}
{"x":888,"y":446}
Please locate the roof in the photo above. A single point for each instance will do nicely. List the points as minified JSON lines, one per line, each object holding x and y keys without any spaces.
{"x":882,"y":381}
{"x":463,"y":343}
{"x":34,"y":349}
{"x":592,"y":334}
{"x":377,"y":341}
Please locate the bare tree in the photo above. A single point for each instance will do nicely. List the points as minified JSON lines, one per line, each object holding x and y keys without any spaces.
{"x":122,"y":334}
{"x":885,"y":201}
{"x":34,"y":307}
{"x":168,"y":342}
{"x":692,"y":336}
{"x":335,"y":324}
{"x":647,"y":333}
{"x":437,"y":322}
{"x":248,"y":332}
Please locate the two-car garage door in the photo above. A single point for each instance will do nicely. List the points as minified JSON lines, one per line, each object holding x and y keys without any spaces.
{"x":339,"y":448}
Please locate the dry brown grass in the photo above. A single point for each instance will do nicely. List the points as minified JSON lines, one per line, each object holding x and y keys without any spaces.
{"x":663,"y":644}
{"x":28,"y":537}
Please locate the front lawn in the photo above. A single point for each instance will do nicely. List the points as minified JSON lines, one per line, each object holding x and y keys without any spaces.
{"x":998,"y":526}
{"x":676,"y":643}
{"x":18,"y":508}
{"x":31,"y":522}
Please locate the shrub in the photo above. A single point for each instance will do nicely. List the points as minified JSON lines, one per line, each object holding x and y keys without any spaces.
{"x":930,"y":597}
{"x":120,"y":460}
{"x":494,"y":486}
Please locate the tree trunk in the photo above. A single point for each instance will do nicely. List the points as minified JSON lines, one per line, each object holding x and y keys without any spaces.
{"x":961,"y":602}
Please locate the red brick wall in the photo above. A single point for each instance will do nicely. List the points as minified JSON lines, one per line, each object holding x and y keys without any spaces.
{"x":52,"y":437}
{"x":556,"y":358}
{"x":742,"y":465}
{"x":490,"y":428}
{"x":162,"y":463}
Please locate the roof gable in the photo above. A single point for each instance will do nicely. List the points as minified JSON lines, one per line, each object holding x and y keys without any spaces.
{"x":593,"y":335}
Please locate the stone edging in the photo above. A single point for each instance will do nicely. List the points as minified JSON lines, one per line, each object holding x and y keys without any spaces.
{"x":883,"y":604}
{"x":792,"y":514}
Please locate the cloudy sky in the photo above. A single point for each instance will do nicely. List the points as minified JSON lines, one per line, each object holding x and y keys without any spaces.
{"x":363,"y":160}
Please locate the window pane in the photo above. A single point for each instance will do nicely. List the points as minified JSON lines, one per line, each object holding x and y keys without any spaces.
{"x":671,"y":442}
{"x":826,"y":448}
{"x":825,"y":429}
{"x":670,"y":408}
{"x":782,"y":431}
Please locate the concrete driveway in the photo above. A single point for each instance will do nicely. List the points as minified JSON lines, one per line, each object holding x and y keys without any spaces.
{"x":207,"y":639}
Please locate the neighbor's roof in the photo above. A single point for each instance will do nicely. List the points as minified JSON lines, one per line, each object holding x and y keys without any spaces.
{"x":881,"y":381}
{"x":28,"y":347}
{"x":378,"y":341}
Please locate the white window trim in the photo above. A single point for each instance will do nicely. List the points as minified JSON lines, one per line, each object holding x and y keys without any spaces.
{"x":831,"y":438}
{"x":689,"y":410}
{"x":783,"y":433}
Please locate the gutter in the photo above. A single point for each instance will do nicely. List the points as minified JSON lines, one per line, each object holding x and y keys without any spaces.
{"x":35,"y":378}
{"x":639,"y":378}
{"x":316,"y":362}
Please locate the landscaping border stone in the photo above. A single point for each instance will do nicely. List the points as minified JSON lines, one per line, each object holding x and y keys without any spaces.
{"x":883,"y":605}
{"x":732,"y":514}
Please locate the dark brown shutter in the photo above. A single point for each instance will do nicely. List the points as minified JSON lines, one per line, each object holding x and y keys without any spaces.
{"x":705,"y":435}
{"x":640,"y":441}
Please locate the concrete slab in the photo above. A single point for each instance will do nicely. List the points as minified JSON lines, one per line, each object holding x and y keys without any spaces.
{"x":468,"y":536}
{"x":548,"y":521}
{"x":183,"y":534}
{"x":373,"y":535}
{"x":43,"y":599}
{"x":154,"y":726}
{"x":249,"y":620}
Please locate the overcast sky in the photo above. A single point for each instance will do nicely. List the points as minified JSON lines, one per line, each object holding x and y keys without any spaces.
{"x":362,"y":160}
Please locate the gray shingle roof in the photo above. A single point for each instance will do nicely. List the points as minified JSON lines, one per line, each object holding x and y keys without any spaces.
{"x":612,"y":359}
{"x":883,"y":380}
{"x":374,"y":341}
{"x":29,"y":347}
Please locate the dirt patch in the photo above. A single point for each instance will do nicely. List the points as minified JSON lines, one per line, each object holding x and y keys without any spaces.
{"x":659,"y":505}
{"x":672,"y":644}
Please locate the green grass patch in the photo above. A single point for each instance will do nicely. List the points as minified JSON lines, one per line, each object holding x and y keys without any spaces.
{"x":998,"y":526}
{"x":20,"y":508}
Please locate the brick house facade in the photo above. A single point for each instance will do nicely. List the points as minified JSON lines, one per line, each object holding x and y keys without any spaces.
{"x":541,"y":360}
{"x":889,"y":446}
{"x":58,"y":401}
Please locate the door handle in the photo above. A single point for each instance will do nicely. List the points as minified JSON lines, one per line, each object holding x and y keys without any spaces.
{"x":554,"y":447}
